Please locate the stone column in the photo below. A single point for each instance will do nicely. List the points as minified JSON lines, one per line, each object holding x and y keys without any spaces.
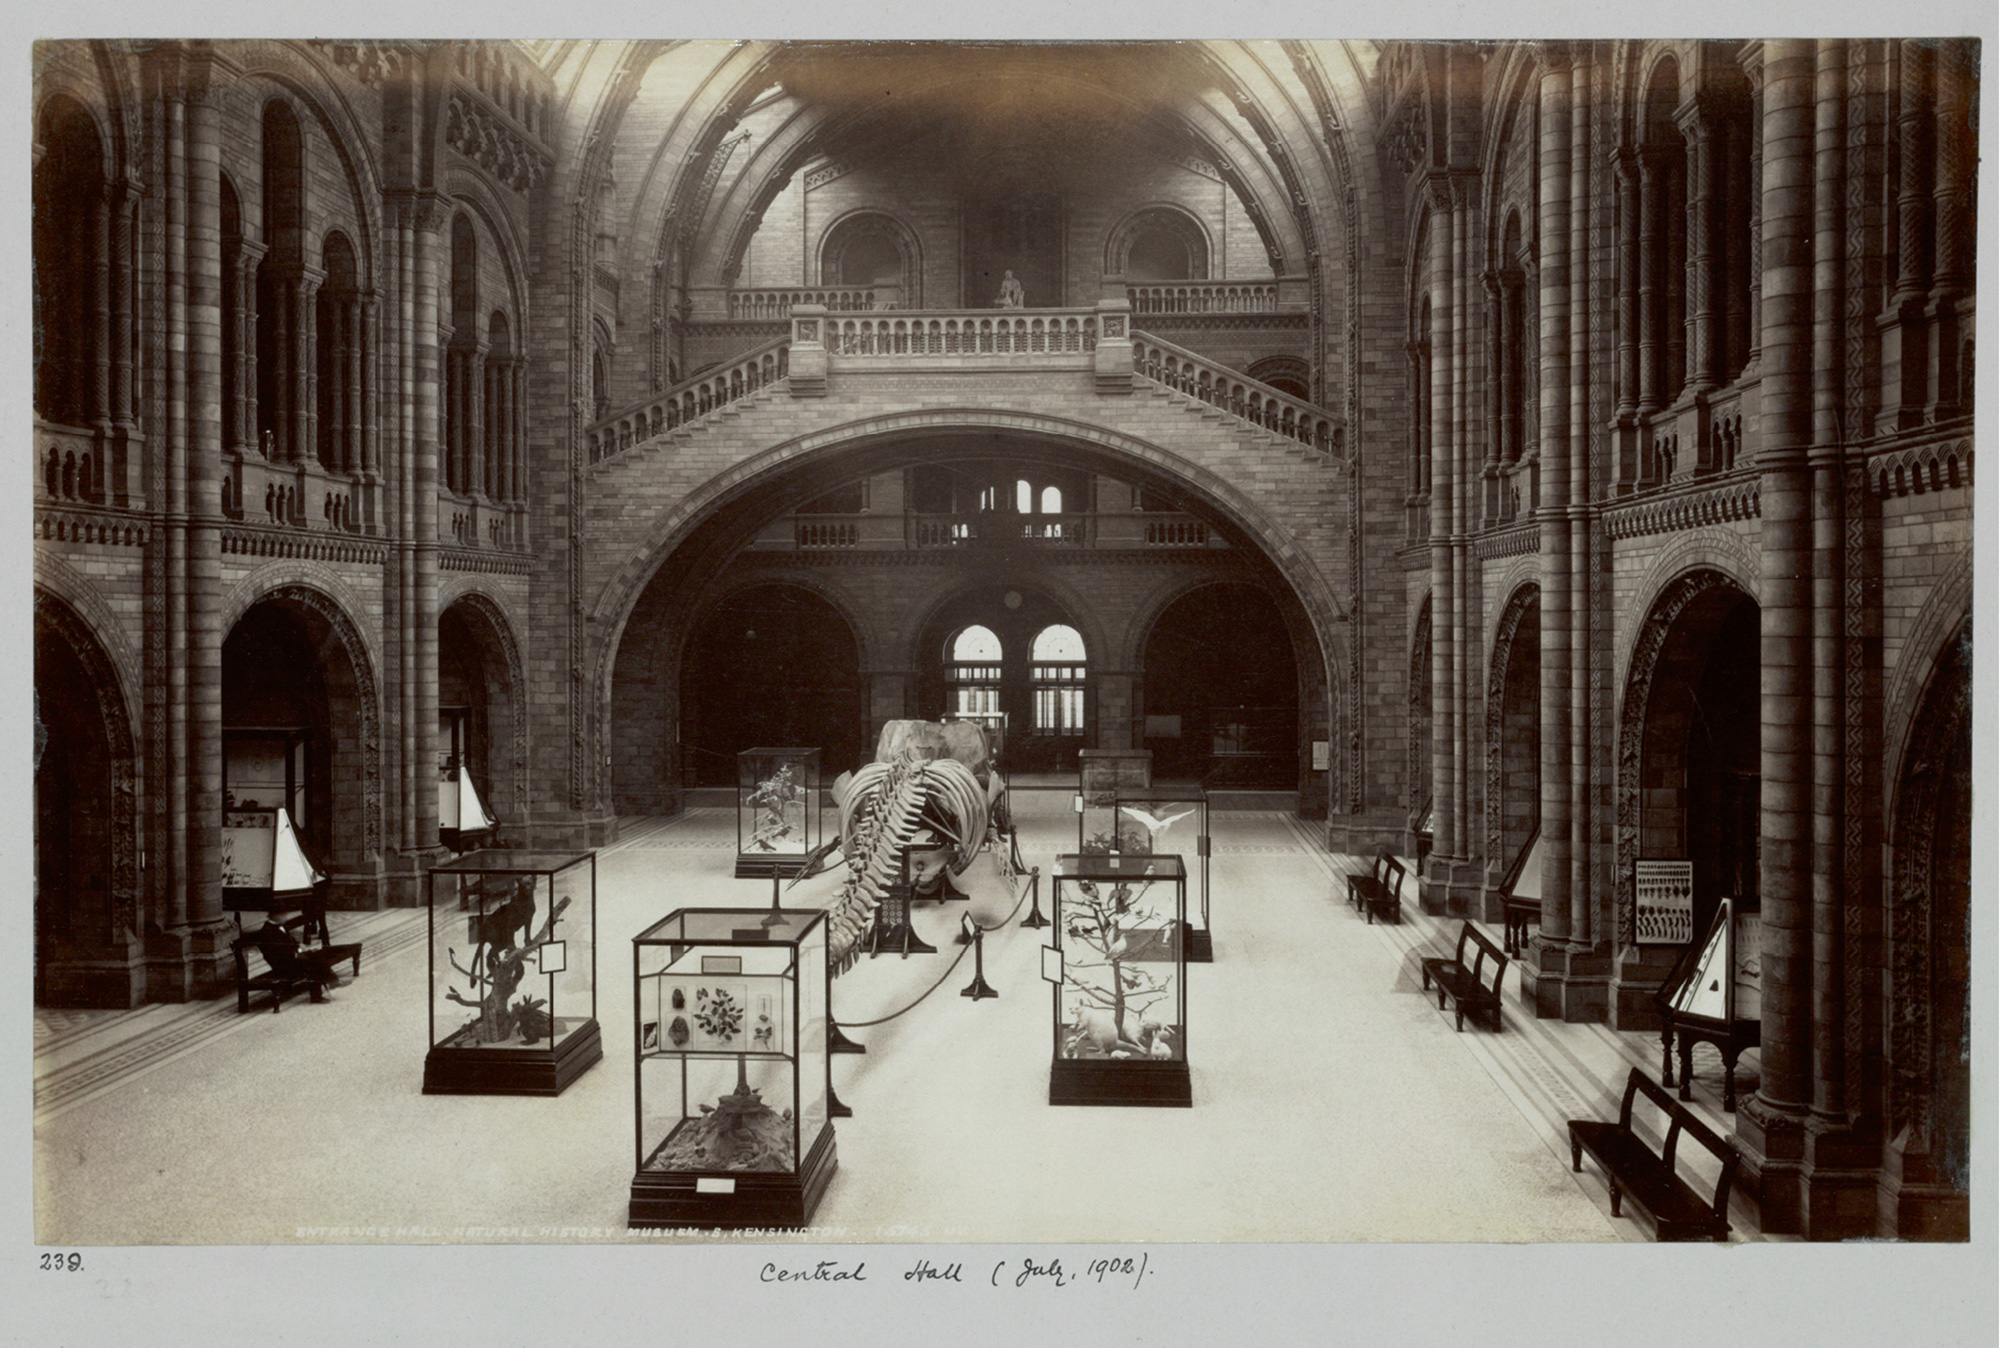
{"x":429,"y":277}
{"x":1434,"y":893}
{"x":1952,"y":212}
{"x":1584,"y":891}
{"x":1770,"y":1127}
{"x":204,"y":469}
{"x":1652,"y":269}
{"x":124,"y":351}
{"x":1703,"y":341}
{"x":1496,"y":393}
{"x":1543,"y":976}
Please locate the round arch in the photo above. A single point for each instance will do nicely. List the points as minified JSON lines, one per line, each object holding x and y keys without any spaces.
{"x":770,"y":663}
{"x":1513,"y":727}
{"x":353,"y":814}
{"x":867,"y":239}
{"x":474,"y":627}
{"x":86,"y":805}
{"x":1697,"y":645}
{"x":1930,"y":831}
{"x":1236,"y":720}
{"x":1153,"y":235}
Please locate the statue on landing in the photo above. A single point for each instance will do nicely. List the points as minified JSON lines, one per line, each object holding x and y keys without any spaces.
{"x":1011,"y":294}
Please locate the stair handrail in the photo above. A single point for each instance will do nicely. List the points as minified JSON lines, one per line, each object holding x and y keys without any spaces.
{"x":1254,"y":401}
{"x":691,"y":399}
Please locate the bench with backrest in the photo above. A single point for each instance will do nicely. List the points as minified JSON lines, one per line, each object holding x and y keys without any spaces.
{"x":1633,"y":1170}
{"x":1379,"y":893}
{"x":1468,"y":983}
{"x":289,"y":968}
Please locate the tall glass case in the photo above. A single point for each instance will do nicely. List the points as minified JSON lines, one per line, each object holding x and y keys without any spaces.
{"x":777,"y":811}
{"x":513,"y":988}
{"x":730,"y":1069}
{"x":1119,"y":970}
{"x":1101,"y":775}
{"x":1172,"y":817}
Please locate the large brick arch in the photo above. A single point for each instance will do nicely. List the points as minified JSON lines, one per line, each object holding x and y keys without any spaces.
{"x":657,"y":539}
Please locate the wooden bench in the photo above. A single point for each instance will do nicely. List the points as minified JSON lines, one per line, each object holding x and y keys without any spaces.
{"x":289,"y":968}
{"x":1466,"y":983}
{"x":1632,"y":1169}
{"x":1380,"y":892}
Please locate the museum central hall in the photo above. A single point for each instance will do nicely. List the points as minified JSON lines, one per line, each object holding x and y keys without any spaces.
{"x":585,"y":587}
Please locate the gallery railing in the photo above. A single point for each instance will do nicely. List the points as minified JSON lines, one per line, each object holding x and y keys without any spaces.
{"x":971,"y":332}
{"x":1238,"y":394}
{"x":767,"y":304}
{"x":1203,"y":297}
{"x":690,"y":400}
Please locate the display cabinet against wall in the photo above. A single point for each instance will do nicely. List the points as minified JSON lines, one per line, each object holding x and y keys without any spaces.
{"x":777,"y":811}
{"x":267,"y":864}
{"x":1715,"y":996}
{"x":732,"y":1088}
{"x":1120,"y":981}
{"x":1172,"y":818}
{"x":513,"y":987}
{"x":464,"y":822}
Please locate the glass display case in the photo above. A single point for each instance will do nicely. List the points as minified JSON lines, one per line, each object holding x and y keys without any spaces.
{"x":1172,"y":818}
{"x":777,"y":811}
{"x":513,"y":986}
{"x":729,"y":1028}
{"x":1101,"y":774}
{"x":1120,"y":981}
{"x":1715,"y":996}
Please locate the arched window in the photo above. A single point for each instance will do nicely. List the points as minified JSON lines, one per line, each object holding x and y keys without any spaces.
{"x":69,"y":192}
{"x":1052,"y":500}
{"x":501,"y":453}
{"x":973,"y":672}
{"x":874,"y":250}
{"x":1159,"y":244}
{"x":1024,"y":497}
{"x":338,"y":316}
{"x":464,"y":399}
{"x":1058,"y":674}
{"x":284,"y":298}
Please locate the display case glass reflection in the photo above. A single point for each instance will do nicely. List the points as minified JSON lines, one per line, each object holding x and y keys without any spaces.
{"x":733,"y":1125}
{"x":513,"y":980}
{"x":1171,"y":818}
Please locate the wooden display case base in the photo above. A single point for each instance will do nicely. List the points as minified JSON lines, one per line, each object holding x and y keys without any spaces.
{"x":663,"y":1198}
{"x":1116,"y":1082}
{"x":1196,"y":946}
{"x":751,"y":866}
{"x":512,"y":1071}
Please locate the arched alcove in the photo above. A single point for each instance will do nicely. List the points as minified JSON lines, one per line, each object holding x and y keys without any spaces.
{"x":1221,"y":690}
{"x":770,"y":665}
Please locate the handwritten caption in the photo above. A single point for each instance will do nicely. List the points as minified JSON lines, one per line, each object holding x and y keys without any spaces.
{"x":1104,"y":1271}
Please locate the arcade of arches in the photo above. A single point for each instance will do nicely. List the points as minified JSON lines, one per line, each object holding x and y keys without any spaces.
{"x":1466,"y":448}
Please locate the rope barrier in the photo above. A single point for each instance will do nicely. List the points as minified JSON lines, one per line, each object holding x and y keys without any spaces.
{"x":956,"y":961}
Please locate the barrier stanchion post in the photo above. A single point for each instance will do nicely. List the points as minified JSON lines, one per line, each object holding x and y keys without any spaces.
{"x":1034,"y":917}
{"x":979,"y":987}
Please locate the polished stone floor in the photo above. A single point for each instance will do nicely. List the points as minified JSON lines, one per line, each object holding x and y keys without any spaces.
{"x":1332,"y":1100}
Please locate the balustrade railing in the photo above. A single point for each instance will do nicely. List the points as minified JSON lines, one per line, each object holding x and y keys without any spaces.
{"x":1238,"y":394}
{"x":766,"y":304}
{"x":1181,"y":531}
{"x":974,"y":332}
{"x":302,"y":495}
{"x":72,"y":463}
{"x":820,"y":532}
{"x":690,"y":400}
{"x":1203,"y":297}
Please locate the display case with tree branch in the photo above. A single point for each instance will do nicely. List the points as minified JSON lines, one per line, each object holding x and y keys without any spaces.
{"x":777,"y":811}
{"x":1120,"y":993}
{"x":513,"y":1007}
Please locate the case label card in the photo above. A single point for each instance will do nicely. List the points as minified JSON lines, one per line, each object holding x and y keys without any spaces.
{"x":714,"y":1184}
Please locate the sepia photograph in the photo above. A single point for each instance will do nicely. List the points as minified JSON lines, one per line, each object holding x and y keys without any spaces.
{"x":835,"y":659}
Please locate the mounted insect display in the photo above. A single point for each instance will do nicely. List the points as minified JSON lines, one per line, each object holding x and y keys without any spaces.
{"x":733,"y":1100}
{"x":777,"y":811}
{"x":1120,"y":985}
{"x":513,"y":1007}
